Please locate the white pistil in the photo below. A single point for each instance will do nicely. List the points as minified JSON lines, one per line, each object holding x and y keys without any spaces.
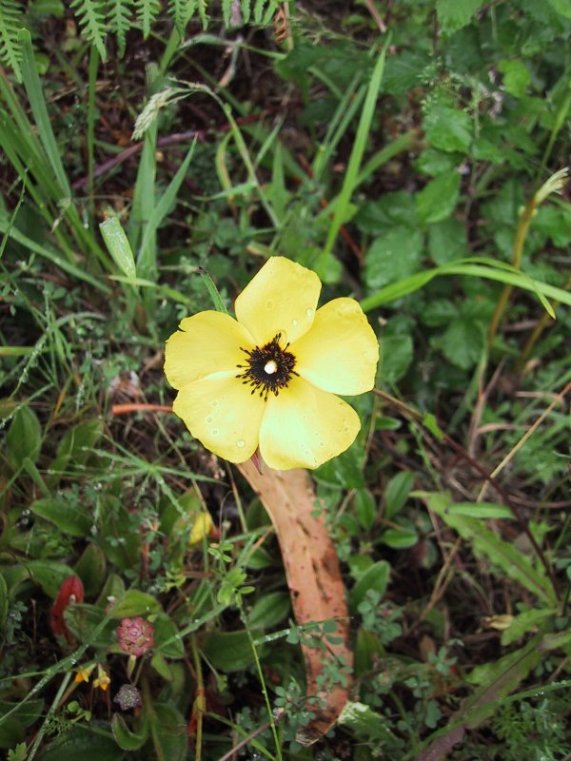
{"x":270,"y":367}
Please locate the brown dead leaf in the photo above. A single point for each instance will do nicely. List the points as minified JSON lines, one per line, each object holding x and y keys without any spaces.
{"x":314,"y":580}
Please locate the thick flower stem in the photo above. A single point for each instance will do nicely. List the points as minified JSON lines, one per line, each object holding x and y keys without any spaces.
{"x":315,"y":584}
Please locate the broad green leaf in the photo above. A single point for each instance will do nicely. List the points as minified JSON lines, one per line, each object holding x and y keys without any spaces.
{"x":126,"y":738}
{"x":270,"y":610}
{"x":118,"y":246}
{"x":447,"y":241}
{"x":391,"y":210}
{"x":134,"y":603}
{"x":375,"y":578}
{"x":48,"y":574}
{"x":497,"y":670}
{"x":454,"y":14}
{"x":561,"y":6}
{"x":399,"y":538}
{"x":259,"y":559}
{"x":167,"y":638}
{"x":169,"y":731}
{"x":368,"y":649}
{"x":91,"y":569}
{"x":21,"y":715}
{"x":79,"y":742}
{"x":404,"y":70}
{"x":69,"y":518}
{"x":114,"y":587}
{"x":393,"y":256}
{"x":556,"y":641}
{"x":447,"y":128}
{"x":438,"y":199}
{"x":397,"y":492}
{"x":162,"y":666}
{"x":396,"y":357}
{"x":75,"y":448}
{"x":24,"y":438}
{"x":462,"y":343}
{"x":516,"y":76}
{"x":228,"y":651}
{"x":365,"y":508}
{"x":526,"y":623}
{"x":480,"y":510}
{"x":439,"y":312}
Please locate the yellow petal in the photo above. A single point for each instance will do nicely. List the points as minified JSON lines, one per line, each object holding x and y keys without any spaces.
{"x":281,"y":298}
{"x":304,"y":427}
{"x":221,"y":413}
{"x":201,"y":527}
{"x":341,"y":351}
{"x":206,"y":343}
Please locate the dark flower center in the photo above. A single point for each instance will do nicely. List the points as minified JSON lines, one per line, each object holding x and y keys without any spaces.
{"x":268,"y":368}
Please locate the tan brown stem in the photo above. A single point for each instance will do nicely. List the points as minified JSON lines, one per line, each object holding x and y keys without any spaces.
{"x":315,"y":584}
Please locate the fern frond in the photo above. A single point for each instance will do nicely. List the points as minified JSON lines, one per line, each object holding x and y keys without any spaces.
{"x":147,"y":12}
{"x":91,"y":17}
{"x":246,"y":8}
{"x":264,"y":11}
{"x":181,"y":13}
{"x":119,"y":15}
{"x":202,"y":6}
{"x":227,"y":11}
{"x":11,"y":18}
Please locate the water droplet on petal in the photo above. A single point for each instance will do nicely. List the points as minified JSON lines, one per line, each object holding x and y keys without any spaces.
{"x":209,"y":418}
{"x":240,"y":443}
{"x":215,"y":431}
{"x":214,"y":403}
{"x":269,"y":304}
{"x":309,"y":312}
{"x":294,"y":323}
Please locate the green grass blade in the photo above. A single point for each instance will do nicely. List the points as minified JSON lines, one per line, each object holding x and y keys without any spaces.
{"x":501,"y":554}
{"x":40,"y":111}
{"x":118,"y":246}
{"x":499,"y":272}
{"x":52,"y":256}
{"x":353,"y":167}
{"x":147,"y":252}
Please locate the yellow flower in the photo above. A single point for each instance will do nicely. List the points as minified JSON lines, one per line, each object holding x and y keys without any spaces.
{"x":83,"y":673}
{"x":201,"y":527}
{"x":268,"y":379}
{"x":103,"y":681}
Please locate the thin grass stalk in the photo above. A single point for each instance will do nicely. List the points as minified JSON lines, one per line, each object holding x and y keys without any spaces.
{"x":554,"y":184}
{"x":355,"y":159}
{"x":260,"y":672}
{"x":199,"y":705}
{"x":517,"y":253}
{"x":92,"y":82}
